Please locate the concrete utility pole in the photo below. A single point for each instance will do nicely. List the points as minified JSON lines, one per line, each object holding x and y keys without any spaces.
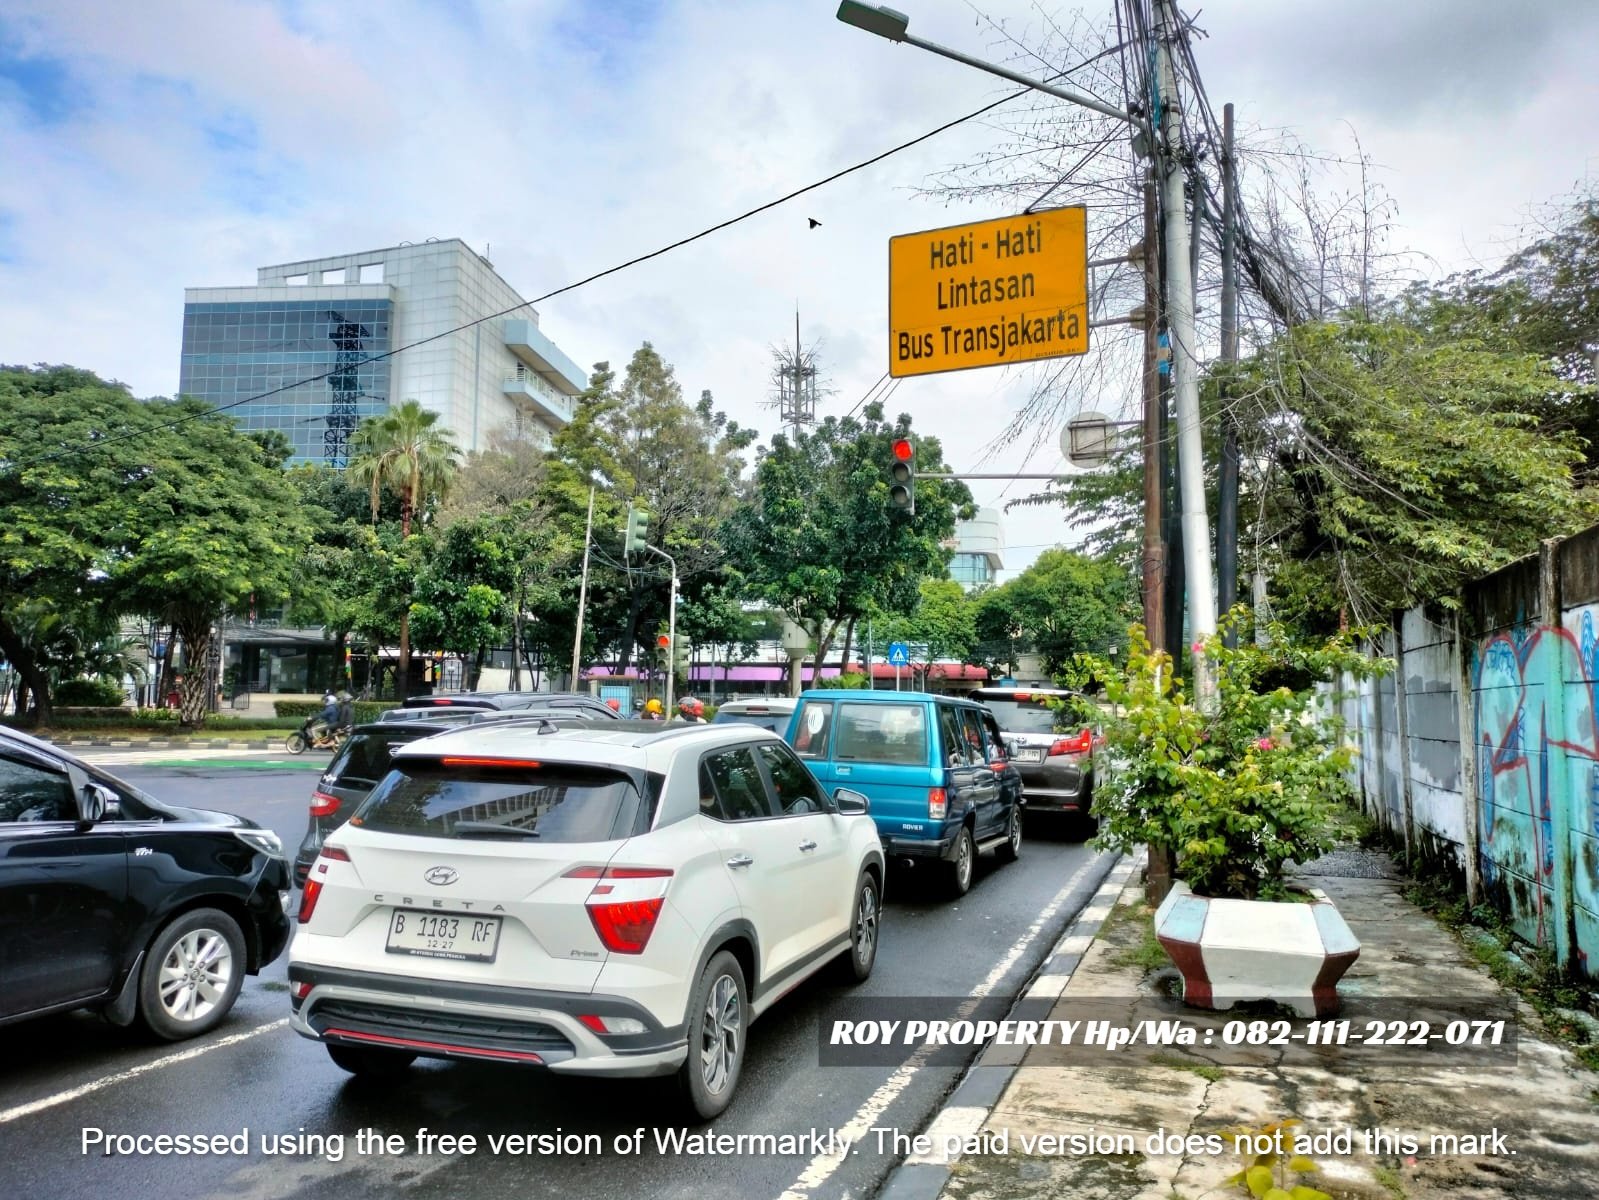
{"x":1154,"y":574}
{"x":1184,"y":359}
{"x":1227,"y":504}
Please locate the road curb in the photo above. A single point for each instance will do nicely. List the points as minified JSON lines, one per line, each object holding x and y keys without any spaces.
{"x":969,"y":1106}
{"x":167,"y":743}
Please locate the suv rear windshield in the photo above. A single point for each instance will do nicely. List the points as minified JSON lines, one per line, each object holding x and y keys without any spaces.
{"x":882,"y":733}
{"x":1029,"y":715}
{"x":558,"y":802}
{"x":365,"y":757}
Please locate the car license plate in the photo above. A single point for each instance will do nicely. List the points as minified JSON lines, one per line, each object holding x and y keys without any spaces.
{"x":444,"y":935}
{"x":1029,"y":756}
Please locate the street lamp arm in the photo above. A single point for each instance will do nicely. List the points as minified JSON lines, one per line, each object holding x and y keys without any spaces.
{"x":887,"y":23}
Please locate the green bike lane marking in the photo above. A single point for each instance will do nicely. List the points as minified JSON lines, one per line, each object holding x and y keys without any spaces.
{"x":232,"y":764}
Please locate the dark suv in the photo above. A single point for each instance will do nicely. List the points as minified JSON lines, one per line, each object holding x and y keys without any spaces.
{"x":110,"y":899}
{"x":588,"y":706}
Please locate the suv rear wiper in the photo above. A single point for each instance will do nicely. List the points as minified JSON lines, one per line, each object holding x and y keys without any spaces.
{"x":490,"y":829}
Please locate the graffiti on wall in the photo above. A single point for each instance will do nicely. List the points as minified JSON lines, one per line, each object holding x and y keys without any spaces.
{"x":1535,"y":695}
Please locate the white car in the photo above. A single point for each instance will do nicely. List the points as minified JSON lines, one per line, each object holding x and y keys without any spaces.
{"x":618,"y":902}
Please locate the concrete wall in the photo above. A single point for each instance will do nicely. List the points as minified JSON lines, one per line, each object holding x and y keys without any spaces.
{"x":1514,"y":805}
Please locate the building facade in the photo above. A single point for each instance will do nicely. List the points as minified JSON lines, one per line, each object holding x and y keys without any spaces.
{"x":328,"y":342}
{"x":979,"y":550}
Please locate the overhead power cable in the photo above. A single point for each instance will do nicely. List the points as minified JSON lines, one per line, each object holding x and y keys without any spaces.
{"x":69,"y":451}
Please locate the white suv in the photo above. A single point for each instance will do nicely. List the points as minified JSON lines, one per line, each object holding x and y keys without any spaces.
{"x":598,"y":900}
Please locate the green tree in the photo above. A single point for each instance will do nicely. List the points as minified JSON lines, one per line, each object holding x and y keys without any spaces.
{"x":403,"y":451}
{"x":646,"y":445}
{"x":1064,"y":605}
{"x":819,"y":541}
{"x":941,"y":628}
{"x":219,"y":523}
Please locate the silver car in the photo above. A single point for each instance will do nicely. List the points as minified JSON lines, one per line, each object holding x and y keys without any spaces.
{"x":1050,"y":747}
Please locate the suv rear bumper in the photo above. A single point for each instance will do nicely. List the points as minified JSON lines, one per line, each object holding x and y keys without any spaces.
{"x":477,"y":1022}
{"x":909,"y":847}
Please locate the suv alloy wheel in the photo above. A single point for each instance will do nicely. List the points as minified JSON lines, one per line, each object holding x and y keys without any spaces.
{"x":961,"y":862}
{"x":715,"y":1037}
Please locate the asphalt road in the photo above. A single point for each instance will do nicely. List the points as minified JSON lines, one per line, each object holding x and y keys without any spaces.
{"x":70,"y":1074}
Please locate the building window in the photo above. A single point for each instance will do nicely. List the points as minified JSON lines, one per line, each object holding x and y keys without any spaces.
{"x":970,"y":570}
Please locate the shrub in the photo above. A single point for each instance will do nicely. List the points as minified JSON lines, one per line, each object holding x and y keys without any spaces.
{"x":88,"y":693}
{"x":1235,"y":794}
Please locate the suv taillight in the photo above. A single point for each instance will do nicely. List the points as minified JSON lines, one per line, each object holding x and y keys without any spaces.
{"x":308,"y":898}
{"x":323,"y":805}
{"x":625,"y":925}
{"x":937,"y":804}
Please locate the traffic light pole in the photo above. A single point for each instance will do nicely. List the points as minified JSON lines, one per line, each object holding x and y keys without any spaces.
{"x":671,"y":633}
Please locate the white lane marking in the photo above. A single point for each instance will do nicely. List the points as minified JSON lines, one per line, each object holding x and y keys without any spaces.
{"x":823,"y":1166}
{"x":33,"y":1106}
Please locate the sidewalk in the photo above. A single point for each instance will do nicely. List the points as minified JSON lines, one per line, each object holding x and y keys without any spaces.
{"x":1535,"y":1109}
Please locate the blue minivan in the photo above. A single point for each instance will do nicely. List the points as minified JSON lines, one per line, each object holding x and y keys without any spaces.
{"x":934,"y":769}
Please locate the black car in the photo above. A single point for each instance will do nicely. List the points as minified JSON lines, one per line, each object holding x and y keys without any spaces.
{"x":364,"y":759}
{"x":110,"y":899}
{"x":590,"y":706}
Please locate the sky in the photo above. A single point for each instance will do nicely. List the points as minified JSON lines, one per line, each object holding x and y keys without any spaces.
{"x":176,"y":143}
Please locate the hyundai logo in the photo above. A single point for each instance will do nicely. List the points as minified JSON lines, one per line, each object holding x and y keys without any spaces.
{"x":440,"y":876}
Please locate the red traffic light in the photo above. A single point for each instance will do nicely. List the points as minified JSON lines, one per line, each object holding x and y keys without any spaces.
{"x":903,"y":450}
{"x":663,"y":641}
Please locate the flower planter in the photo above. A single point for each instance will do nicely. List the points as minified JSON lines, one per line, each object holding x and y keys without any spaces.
{"x":1233,"y":950}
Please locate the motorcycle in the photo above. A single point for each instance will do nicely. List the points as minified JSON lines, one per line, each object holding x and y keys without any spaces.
{"x":315,"y":735}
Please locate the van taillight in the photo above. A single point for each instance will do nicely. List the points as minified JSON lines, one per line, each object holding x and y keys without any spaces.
{"x":1072,"y":745}
{"x":937,"y":804}
{"x":323,"y":805}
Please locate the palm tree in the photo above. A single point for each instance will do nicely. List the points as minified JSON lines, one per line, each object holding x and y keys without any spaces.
{"x":401,"y":450}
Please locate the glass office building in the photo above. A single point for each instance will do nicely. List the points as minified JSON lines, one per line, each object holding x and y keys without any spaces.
{"x":317,"y":346}
{"x":317,"y":366}
{"x":979,"y":550}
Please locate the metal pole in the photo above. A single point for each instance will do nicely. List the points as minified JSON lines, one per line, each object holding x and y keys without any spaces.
{"x":671,"y":640}
{"x":871,"y":684}
{"x":671,"y":633}
{"x":1185,"y":367}
{"x":1154,"y":548}
{"x":583,"y":592}
{"x":1227,"y":504}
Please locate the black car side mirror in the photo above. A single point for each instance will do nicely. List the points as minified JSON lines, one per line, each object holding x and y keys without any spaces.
{"x":851,"y":803}
{"x":98,"y":803}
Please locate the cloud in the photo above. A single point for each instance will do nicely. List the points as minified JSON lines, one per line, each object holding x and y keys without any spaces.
{"x":180,"y":143}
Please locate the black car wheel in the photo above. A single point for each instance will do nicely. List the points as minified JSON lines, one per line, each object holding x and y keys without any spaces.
{"x":961,"y":862}
{"x":716,"y":1030}
{"x":371,"y":1062}
{"x":1011,"y":850}
{"x":192,"y":974}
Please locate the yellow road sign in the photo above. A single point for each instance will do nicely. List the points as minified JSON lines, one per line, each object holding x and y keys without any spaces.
{"x":990,"y":293}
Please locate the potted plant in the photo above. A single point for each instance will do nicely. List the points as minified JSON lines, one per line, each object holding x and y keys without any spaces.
{"x":1234,"y":792}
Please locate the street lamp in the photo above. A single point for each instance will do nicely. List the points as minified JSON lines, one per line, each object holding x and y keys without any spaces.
{"x":890,"y":24}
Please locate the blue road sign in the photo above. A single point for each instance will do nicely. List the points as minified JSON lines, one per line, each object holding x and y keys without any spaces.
{"x":899,"y":654}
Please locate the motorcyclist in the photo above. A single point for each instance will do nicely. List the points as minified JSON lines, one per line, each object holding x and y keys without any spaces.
{"x":653,"y":710}
{"x":692,"y":710}
{"x":345,"y":711}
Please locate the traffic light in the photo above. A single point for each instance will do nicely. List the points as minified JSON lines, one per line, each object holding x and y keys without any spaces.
{"x":902,"y":478}
{"x":638,"y":522}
